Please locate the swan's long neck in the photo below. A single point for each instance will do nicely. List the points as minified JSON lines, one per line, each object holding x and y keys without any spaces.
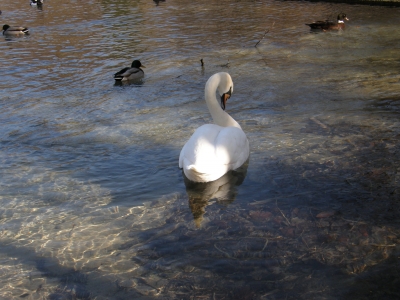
{"x":219,"y":116}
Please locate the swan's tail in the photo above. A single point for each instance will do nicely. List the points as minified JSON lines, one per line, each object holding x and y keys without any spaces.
{"x":194,"y":173}
{"x":191,"y":171}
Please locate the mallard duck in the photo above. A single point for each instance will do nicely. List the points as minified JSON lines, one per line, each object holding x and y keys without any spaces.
{"x":215,"y":149}
{"x":133,"y":72}
{"x":330,"y":25}
{"x":36,"y":2}
{"x":15,"y":30}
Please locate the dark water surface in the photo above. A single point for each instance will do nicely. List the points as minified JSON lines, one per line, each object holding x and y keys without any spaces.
{"x":93,"y":204}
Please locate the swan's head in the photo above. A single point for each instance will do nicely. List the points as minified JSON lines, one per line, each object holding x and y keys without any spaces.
{"x":225,"y":88}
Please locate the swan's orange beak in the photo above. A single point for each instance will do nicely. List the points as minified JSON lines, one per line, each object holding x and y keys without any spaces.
{"x":224,"y":99}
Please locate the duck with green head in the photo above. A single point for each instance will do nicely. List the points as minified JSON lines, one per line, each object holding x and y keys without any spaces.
{"x":134,"y":72}
{"x":15,"y":30}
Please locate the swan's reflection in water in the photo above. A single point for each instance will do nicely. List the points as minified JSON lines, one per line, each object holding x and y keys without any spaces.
{"x":222,"y":190}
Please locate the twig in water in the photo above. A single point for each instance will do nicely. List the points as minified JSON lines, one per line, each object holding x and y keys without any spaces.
{"x":265,"y":33}
{"x":282,"y":213}
{"x":318,"y":122}
{"x":265,"y":245}
{"x":382,"y":245}
{"x":70,"y":233}
{"x":222,"y":251}
{"x":352,"y":221}
{"x":279,"y":197}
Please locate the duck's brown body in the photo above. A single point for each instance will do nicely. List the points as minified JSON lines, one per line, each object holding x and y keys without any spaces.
{"x":329,"y":25}
{"x":326,"y":25}
{"x":16,"y":30}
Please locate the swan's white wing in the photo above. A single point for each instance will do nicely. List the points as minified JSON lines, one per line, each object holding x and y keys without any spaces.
{"x":213,"y":150}
{"x":200,"y":148}
{"x":232,"y":147}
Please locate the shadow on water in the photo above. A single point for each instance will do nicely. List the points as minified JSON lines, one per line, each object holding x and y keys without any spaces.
{"x":387,"y":3}
{"x":277,"y":247}
{"x":391,"y":104}
{"x":329,"y":231}
{"x":72,"y":283}
{"x":230,"y":277}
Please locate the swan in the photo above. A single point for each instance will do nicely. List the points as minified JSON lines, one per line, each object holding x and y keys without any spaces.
{"x":214,"y":149}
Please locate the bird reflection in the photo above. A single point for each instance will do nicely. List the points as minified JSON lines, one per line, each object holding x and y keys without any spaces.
{"x":223,"y":190}
{"x":138,"y":82}
{"x":158,"y":1}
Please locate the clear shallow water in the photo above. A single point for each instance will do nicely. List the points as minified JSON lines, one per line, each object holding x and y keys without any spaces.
{"x":93,"y":204}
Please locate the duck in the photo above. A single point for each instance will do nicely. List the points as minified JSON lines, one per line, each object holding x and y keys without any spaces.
{"x":215,"y":149}
{"x":330,"y":25}
{"x":133,"y":72}
{"x":36,"y":2}
{"x":14,"y":30}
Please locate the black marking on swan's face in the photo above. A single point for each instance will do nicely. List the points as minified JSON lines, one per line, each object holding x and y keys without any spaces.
{"x":225,"y":97}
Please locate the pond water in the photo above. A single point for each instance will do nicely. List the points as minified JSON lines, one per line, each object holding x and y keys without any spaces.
{"x":93,"y":204}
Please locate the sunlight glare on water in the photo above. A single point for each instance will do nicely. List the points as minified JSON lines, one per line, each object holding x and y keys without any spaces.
{"x":93,"y":204}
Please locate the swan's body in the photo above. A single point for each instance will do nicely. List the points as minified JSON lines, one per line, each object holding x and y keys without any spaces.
{"x":215,"y":149}
{"x":17,"y":30}
{"x":132,"y":73}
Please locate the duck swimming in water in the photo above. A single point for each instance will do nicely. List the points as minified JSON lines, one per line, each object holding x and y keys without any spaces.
{"x":330,"y":25}
{"x":36,"y":2}
{"x":15,"y":30}
{"x":133,"y":72}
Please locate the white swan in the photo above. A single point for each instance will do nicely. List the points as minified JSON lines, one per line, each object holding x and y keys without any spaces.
{"x":214,"y":149}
